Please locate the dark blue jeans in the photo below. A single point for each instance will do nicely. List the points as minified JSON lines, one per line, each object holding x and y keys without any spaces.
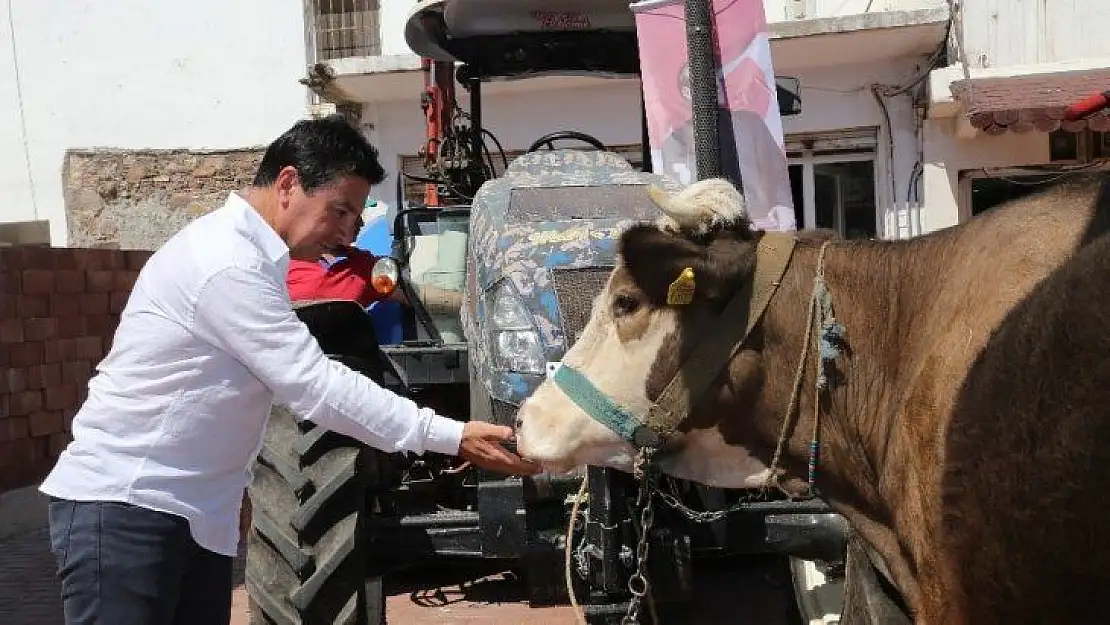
{"x":124,"y":565}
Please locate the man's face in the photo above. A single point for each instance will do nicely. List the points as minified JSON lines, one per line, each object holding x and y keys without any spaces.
{"x":315,"y":222}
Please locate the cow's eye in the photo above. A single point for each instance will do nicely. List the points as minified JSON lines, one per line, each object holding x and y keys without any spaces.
{"x":624,"y":304}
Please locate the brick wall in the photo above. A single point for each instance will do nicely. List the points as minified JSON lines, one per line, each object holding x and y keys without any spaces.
{"x":58,"y":311}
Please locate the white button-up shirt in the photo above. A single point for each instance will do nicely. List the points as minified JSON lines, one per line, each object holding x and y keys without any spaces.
{"x":207,"y":341}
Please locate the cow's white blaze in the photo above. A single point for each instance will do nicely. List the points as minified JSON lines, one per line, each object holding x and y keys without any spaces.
{"x":557,"y":433}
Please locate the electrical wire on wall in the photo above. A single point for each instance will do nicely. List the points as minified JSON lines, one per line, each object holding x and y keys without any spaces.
{"x":956,"y":24}
{"x":1053,"y":173}
{"x":22,"y":115}
{"x":881,"y":93}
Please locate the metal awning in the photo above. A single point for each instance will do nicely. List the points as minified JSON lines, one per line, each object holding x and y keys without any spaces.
{"x":1031,"y":101}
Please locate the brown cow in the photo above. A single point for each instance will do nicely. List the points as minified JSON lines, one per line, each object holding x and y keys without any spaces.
{"x":964,"y":433}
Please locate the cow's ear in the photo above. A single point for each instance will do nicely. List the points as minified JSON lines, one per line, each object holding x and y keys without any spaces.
{"x":657,"y":259}
{"x":673,"y":270}
{"x":728,"y":263}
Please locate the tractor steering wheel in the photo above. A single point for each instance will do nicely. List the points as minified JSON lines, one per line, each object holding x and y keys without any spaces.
{"x":550,"y":139}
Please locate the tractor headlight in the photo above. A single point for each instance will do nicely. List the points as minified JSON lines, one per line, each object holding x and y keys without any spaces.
{"x":516,"y":342}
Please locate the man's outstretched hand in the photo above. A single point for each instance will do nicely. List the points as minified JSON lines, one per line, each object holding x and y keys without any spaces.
{"x":481,"y":445}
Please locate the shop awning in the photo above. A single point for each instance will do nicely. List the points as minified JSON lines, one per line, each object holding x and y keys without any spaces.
{"x":1031,"y":101}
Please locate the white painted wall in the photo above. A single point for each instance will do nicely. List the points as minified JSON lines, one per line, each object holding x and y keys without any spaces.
{"x":840,"y":97}
{"x":999,"y":33}
{"x":946,"y":156}
{"x":607,"y":109}
{"x":138,"y":74}
{"x":782,"y":10}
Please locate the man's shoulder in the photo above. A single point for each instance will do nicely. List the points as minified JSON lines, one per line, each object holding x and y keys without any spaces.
{"x":209,"y":245}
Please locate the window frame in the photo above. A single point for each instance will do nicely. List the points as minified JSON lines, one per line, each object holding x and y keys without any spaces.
{"x":808,"y":161}
{"x":364,"y":24}
{"x":965,"y":179}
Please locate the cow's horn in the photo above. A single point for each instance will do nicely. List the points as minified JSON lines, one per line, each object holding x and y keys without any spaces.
{"x":684,"y":215}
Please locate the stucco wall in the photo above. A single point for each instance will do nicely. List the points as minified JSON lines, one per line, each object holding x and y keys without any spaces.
{"x":947,"y":155}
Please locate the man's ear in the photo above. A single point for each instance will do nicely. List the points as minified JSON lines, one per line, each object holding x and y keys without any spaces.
{"x":287,"y":180}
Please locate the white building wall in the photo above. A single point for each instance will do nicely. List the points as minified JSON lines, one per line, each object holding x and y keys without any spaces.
{"x":840,"y":97}
{"x":1004,"y":38}
{"x":947,"y":155}
{"x":606,"y":109}
{"x":782,"y":10}
{"x":133,"y":74}
{"x":999,"y":33}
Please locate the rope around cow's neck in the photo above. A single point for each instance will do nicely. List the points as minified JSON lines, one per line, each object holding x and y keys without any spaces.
{"x":832,"y":332}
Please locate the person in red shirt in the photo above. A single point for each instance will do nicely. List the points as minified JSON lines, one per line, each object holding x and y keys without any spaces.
{"x":334,"y":277}
{"x":346,"y":275}
{"x":342,"y":275}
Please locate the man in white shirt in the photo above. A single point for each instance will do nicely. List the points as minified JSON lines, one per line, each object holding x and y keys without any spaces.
{"x":146,"y":499}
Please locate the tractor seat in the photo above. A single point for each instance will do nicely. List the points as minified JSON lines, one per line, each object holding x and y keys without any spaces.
{"x":341,"y":327}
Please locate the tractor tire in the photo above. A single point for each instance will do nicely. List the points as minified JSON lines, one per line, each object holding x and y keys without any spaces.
{"x":306,"y":550}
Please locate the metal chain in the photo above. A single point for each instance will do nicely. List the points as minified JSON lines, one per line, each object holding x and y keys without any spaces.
{"x":704,"y":516}
{"x":648,"y":472}
{"x":638,"y":584}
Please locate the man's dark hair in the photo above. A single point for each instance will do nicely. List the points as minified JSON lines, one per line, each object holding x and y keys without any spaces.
{"x":321,"y":150}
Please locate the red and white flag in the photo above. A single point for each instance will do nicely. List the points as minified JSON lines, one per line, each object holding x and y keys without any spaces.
{"x":750,"y":126}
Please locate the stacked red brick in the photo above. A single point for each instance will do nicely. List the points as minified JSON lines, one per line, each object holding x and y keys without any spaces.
{"x":59,"y":308}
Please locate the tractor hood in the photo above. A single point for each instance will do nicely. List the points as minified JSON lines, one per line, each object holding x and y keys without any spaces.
{"x":548,"y":231}
{"x":518,"y":38}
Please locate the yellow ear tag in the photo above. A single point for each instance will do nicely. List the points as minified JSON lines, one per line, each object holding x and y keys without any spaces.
{"x":681,"y":291}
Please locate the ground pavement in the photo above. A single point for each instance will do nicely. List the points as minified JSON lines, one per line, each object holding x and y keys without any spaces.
{"x":457,"y":596}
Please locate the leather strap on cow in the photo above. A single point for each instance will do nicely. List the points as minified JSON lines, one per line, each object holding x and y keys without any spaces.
{"x":715,"y":350}
{"x":720,"y":343}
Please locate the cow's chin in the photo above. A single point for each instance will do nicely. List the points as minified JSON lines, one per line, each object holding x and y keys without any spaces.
{"x":620,"y":457}
{"x":607,"y":452}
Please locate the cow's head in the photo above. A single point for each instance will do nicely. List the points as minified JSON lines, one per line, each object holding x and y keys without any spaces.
{"x":636,"y":340}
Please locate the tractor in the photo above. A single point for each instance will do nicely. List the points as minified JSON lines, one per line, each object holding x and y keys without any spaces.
{"x":500,"y":261}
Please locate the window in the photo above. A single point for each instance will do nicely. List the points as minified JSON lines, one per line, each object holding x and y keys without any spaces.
{"x":345,"y":28}
{"x":832,"y":179}
{"x":1077,"y":148}
{"x":981,"y":190}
